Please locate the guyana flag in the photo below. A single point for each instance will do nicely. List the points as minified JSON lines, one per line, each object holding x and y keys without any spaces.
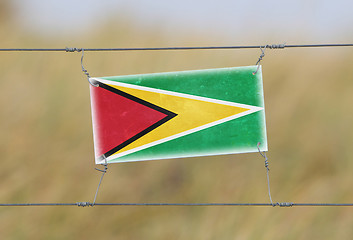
{"x":178,"y":114}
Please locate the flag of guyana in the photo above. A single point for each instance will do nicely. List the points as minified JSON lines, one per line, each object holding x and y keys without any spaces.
{"x":178,"y":114}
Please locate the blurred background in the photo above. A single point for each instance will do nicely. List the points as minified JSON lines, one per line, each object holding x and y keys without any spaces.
{"x":46,"y":138}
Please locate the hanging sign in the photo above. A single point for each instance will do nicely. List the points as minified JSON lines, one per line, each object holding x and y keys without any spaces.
{"x":178,"y":114}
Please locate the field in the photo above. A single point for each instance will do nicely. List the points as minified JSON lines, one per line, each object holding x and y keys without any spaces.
{"x":46,"y":145}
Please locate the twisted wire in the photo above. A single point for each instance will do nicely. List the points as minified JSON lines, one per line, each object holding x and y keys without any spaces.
{"x":263,"y":154}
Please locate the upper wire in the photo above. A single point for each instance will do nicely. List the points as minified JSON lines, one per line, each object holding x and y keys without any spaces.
{"x":270,"y":46}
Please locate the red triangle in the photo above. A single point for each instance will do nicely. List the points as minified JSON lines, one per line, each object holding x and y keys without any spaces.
{"x":120,"y":118}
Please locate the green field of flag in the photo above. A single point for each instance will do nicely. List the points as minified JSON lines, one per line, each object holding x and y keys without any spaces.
{"x":178,"y":114}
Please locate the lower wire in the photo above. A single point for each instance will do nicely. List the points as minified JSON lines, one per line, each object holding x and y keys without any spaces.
{"x":88,"y":204}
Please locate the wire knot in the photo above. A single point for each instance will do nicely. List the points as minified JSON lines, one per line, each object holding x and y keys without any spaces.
{"x":260,"y":59}
{"x":68,"y":49}
{"x":103,"y":170}
{"x":105,"y":164}
{"x":283,"y":204}
{"x":84,"y":204}
{"x":263,"y":154}
{"x":267,"y":164}
{"x":276,"y":46}
{"x":263,"y":48}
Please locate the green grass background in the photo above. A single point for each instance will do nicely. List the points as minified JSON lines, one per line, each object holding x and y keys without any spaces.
{"x":46,"y":144}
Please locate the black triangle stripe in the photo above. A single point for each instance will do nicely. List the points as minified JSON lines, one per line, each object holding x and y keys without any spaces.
{"x":169,"y":116}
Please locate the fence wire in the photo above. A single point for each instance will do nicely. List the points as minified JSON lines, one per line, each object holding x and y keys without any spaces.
{"x":268,"y":46}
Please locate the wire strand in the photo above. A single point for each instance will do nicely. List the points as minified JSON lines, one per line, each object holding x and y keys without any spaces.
{"x":263,"y":154}
{"x":84,"y":204}
{"x":271,"y":46}
{"x":104,"y":171}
